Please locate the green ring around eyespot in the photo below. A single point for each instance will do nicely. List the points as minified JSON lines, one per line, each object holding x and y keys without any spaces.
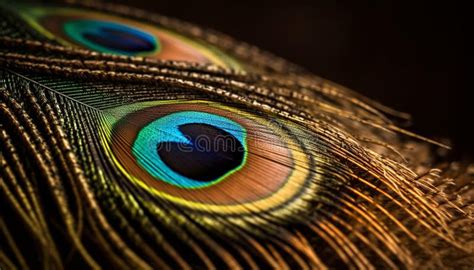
{"x":167,"y":125}
{"x":75,"y":28}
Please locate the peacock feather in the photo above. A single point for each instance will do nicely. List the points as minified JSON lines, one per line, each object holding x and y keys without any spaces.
{"x":131,"y":140}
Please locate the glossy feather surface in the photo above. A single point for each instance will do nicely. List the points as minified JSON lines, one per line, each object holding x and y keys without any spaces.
{"x":132,"y":140}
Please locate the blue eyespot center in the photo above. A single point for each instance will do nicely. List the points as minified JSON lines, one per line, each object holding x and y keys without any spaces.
{"x":111,"y":37}
{"x":191,"y":149}
{"x":211,"y":153}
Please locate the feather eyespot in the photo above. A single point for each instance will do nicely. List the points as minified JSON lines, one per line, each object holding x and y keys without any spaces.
{"x":206,"y":156}
{"x":114,"y":34}
{"x":111,"y":37}
{"x":191,"y":149}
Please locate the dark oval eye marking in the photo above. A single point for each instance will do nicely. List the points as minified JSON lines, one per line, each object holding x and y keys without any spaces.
{"x":181,"y":138}
{"x":116,"y":34}
{"x":166,"y":148}
{"x":211,"y":152}
{"x":111,"y":37}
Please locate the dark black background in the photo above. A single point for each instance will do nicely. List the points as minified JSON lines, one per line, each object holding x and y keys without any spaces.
{"x":411,"y":56}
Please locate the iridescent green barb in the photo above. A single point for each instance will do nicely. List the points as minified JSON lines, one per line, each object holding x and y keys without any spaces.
{"x":131,"y":140}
